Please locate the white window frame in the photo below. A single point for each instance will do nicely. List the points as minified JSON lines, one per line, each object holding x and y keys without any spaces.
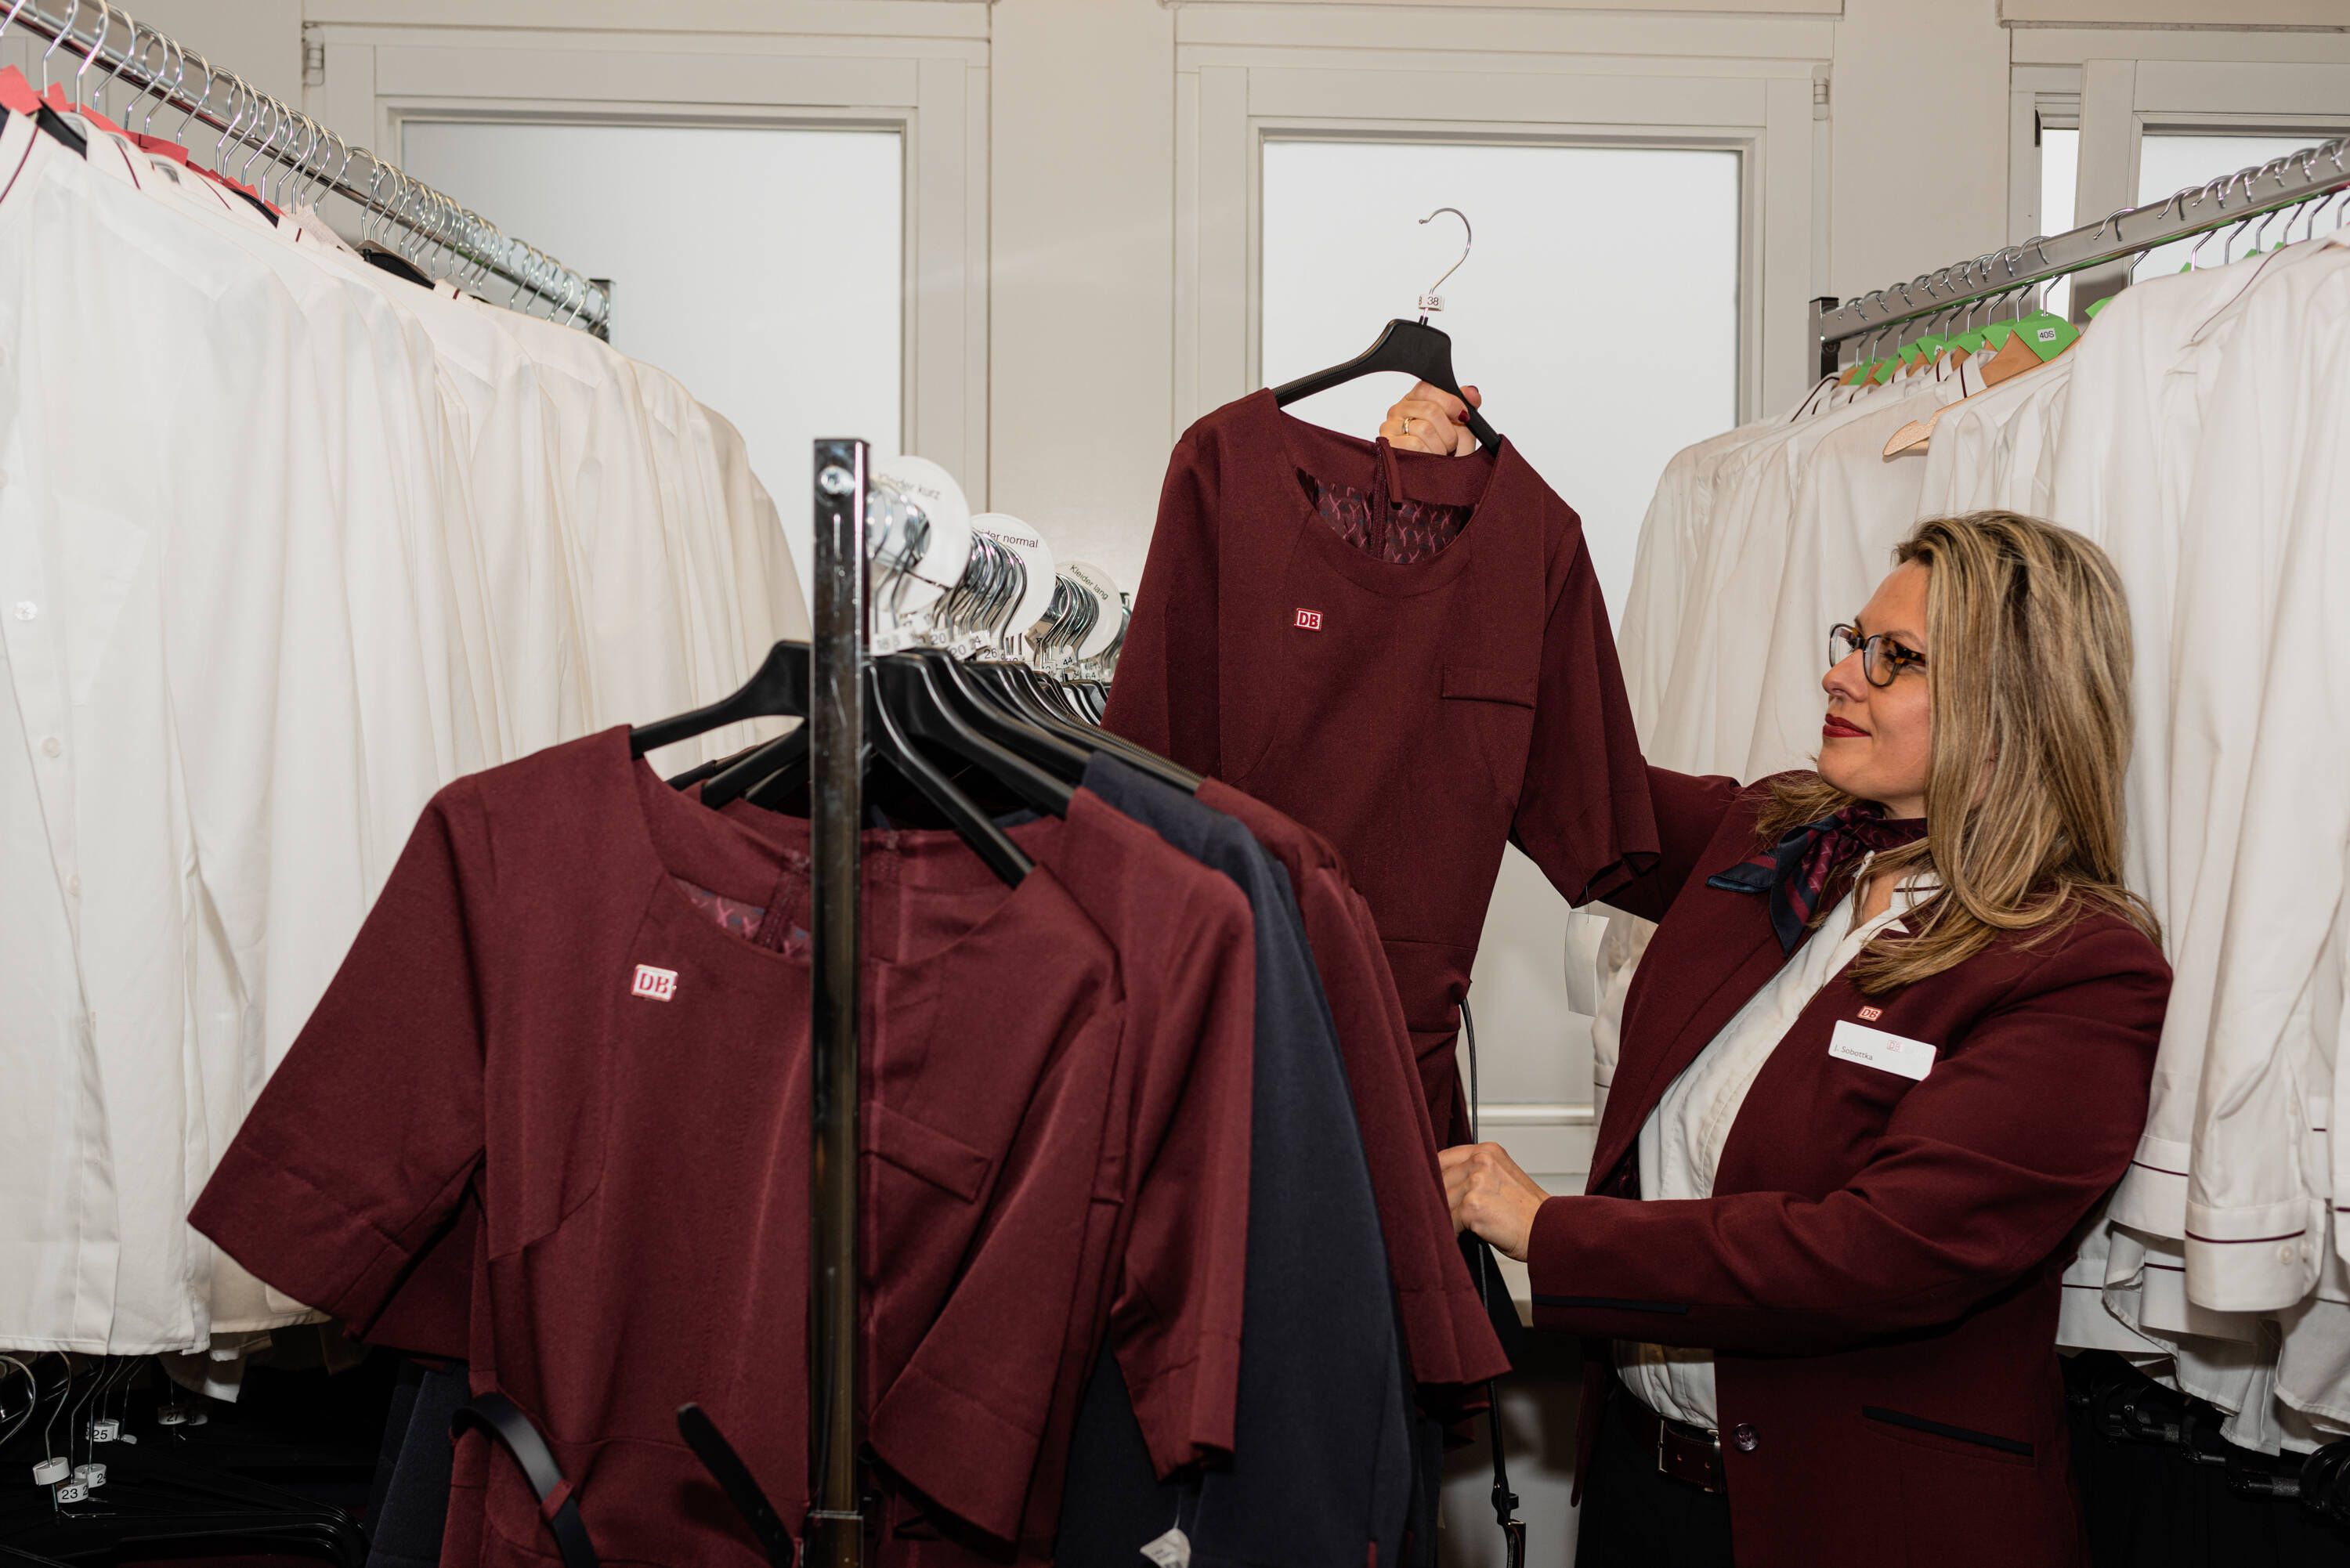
{"x":2124,"y":100}
{"x":1247,"y":76}
{"x":2040,"y":98}
{"x":924,"y":80}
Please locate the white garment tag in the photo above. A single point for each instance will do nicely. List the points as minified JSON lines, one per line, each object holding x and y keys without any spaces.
{"x":1172,"y":1550}
{"x":1874,"y":1048}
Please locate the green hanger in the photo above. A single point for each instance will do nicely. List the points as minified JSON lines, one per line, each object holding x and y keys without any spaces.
{"x":2097,"y":305}
{"x":2046,"y":335}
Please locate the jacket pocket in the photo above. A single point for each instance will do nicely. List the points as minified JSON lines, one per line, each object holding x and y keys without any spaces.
{"x":940,"y":1158}
{"x":1945,"y":1438}
{"x":1475,"y":683}
{"x":1493,"y":711}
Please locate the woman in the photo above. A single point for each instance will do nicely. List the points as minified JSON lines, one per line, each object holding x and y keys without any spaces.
{"x":1889,"y":1046}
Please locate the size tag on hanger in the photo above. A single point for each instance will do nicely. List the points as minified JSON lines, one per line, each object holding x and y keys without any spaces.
{"x":1172,"y":1550}
{"x":1035,"y":558}
{"x":1106,"y":625}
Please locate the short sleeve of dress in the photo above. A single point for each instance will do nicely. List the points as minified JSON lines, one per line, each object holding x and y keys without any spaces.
{"x":1152,"y":703}
{"x":362,"y":1143}
{"x":1584,"y":814}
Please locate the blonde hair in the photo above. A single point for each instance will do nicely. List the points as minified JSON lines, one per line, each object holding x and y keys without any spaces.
{"x":2031,"y":713}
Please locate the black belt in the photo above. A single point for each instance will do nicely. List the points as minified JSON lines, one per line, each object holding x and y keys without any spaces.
{"x":1685,"y":1453}
{"x":498,"y":1416}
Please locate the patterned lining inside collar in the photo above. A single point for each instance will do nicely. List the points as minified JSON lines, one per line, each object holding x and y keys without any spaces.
{"x":1415,"y":531}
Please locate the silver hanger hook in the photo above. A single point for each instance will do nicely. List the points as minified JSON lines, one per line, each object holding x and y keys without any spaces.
{"x":97,"y":46}
{"x":268,"y":105}
{"x":204,"y":100}
{"x":73,"y":20}
{"x":371,"y":210}
{"x":9,"y":20}
{"x":237,"y":106}
{"x":175,"y":60}
{"x":1431,"y":300}
{"x":122,"y":63}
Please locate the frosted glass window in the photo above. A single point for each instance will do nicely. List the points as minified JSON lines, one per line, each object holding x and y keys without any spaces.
{"x":1597,"y":314}
{"x":2060,"y":178}
{"x":704,"y":233}
{"x":2169,"y":162}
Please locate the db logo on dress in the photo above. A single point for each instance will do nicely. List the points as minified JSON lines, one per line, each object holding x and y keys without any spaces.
{"x":1310,"y":619}
{"x":655,"y":984}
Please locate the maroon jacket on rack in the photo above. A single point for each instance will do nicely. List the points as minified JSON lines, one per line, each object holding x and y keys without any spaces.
{"x":1878,"y":1270}
{"x":580,"y":1008}
{"x":1446,"y":1332}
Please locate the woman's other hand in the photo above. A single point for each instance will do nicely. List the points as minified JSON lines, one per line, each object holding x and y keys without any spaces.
{"x":1490,"y":1195}
{"x":1432,"y":420}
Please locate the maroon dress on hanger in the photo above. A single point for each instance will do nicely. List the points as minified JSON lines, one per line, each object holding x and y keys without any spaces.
{"x":1406,"y":654}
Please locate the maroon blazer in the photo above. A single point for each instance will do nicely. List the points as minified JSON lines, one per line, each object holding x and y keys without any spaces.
{"x":1878,"y":1270}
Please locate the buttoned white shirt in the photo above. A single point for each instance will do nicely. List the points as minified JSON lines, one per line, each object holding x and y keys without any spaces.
{"x":1681,"y":1142}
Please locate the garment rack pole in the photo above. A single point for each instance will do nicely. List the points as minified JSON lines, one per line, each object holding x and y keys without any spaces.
{"x":835,"y":1532}
{"x":2290,"y":181}
{"x":102,"y":45}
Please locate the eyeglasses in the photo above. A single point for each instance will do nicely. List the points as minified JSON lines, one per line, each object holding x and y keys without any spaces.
{"x":1882,"y":659}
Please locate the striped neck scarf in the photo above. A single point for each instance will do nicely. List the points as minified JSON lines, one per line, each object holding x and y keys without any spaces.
{"x":1795,"y":871}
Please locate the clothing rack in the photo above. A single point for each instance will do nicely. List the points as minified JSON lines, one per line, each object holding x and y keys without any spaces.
{"x":2296,"y":178}
{"x":839,"y":652}
{"x":104,"y":44}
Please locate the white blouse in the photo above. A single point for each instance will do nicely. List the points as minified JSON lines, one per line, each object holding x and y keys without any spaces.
{"x":1681,"y":1142}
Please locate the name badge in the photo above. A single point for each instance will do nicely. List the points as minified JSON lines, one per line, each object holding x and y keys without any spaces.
{"x":1875,"y":1048}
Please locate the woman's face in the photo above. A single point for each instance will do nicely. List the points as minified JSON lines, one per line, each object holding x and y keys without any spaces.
{"x":1877,"y":741}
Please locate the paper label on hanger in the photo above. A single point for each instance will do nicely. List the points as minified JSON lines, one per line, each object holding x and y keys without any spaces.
{"x":1875,"y":1048}
{"x":1172,"y":1550}
{"x":72,"y":1491}
{"x":1110,"y":622}
{"x":1036,"y":559}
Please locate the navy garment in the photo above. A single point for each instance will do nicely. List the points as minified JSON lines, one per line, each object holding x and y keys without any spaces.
{"x":411,"y":1499}
{"x":1322,"y":1473}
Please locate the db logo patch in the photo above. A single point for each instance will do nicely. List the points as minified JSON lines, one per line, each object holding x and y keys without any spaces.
{"x":1871,"y":1015}
{"x":1310,"y":619}
{"x":655,"y":984}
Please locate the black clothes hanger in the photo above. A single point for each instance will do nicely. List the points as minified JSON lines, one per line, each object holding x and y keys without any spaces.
{"x":992,"y":844}
{"x":1412,"y":348}
{"x":936,"y":703}
{"x":986,"y":712}
{"x":716,"y":765}
{"x":395,"y":264}
{"x":58,"y":126}
{"x":778,"y":689}
{"x":910,"y":691}
{"x":1060,"y":707}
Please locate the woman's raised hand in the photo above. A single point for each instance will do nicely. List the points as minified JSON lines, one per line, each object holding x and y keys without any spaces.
{"x":1432,"y":420}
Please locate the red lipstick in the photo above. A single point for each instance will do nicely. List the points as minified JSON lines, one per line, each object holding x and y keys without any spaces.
{"x":1836,"y":729}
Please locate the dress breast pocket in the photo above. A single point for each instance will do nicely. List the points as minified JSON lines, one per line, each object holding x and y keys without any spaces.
{"x":1493,"y":712}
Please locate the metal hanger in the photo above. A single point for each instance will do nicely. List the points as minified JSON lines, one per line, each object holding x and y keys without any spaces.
{"x":1404,"y":348}
{"x":73,"y":20}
